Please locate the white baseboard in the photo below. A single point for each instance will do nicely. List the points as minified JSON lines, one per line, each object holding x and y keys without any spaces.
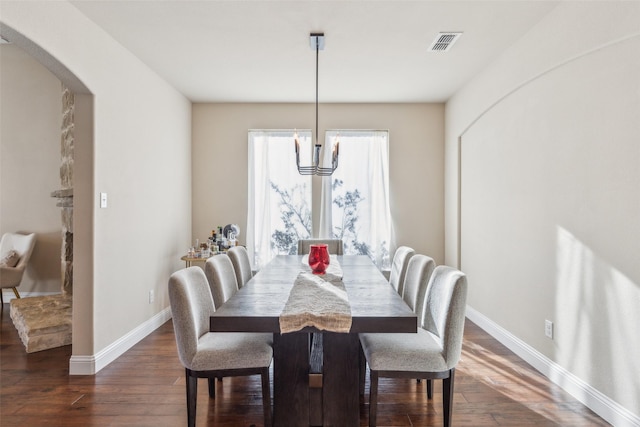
{"x":8,"y":295}
{"x":609,"y":410}
{"x":90,"y":365}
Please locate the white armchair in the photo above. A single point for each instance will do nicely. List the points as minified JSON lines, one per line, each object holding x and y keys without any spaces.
{"x":15,"y":251}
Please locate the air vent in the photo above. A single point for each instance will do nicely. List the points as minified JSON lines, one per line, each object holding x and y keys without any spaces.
{"x":444,"y":41}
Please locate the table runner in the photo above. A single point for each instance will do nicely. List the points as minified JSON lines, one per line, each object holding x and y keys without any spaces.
{"x":317,"y":300}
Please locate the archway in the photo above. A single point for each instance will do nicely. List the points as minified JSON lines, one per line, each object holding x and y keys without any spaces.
{"x":77,"y":227}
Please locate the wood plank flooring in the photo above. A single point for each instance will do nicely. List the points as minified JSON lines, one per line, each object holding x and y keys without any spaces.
{"x":146,"y":387}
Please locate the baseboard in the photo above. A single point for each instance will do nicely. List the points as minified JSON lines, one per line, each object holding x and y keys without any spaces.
{"x":8,"y":295}
{"x":606,"y":408}
{"x":90,"y":365}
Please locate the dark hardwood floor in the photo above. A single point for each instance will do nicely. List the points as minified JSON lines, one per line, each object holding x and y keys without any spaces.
{"x":145,"y":387}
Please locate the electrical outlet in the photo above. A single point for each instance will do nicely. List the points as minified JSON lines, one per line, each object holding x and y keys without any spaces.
{"x":548,"y":328}
{"x":151,"y":296}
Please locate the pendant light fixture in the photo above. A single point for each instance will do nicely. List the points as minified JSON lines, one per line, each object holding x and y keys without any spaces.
{"x":316,"y":40}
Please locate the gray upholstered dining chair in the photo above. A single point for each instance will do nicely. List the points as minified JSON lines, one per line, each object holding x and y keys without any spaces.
{"x":213,"y":355}
{"x":222,"y":278}
{"x":419,"y":270}
{"x":15,"y":252}
{"x":399,"y":267}
{"x":241,"y":264}
{"x":334,"y":246}
{"x":433,"y":352}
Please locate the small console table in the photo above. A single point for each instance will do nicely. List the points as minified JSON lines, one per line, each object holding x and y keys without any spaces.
{"x":190,"y":260}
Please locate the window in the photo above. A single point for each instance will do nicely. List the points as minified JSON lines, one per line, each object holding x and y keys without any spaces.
{"x":354,"y":201}
{"x":279,"y":197}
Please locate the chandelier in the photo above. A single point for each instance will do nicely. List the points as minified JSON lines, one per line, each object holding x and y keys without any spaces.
{"x":316,"y":40}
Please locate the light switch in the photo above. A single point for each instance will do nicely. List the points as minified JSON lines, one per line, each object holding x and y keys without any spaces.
{"x":103,"y":200}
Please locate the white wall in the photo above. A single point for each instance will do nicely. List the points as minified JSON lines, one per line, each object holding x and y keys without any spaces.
{"x":416,"y":134}
{"x":550,"y":194}
{"x":30,"y":120}
{"x":139,"y":143}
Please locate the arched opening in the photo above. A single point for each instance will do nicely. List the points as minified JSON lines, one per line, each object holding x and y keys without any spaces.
{"x":73,"y":193}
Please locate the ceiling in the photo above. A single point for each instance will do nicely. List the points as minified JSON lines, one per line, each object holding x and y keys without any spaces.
{"x":258,"y":51}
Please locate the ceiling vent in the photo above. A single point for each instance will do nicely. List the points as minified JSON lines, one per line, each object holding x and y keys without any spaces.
{"x":444,"y":41}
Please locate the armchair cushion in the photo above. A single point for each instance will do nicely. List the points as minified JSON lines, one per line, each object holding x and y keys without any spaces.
{"x":10,"y":259}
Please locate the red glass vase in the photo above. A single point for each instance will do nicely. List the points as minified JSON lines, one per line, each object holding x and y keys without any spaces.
{"x":318,"y":258}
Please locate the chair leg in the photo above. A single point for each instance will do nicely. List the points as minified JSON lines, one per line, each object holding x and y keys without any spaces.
{"x":429,"y":389}
{"x":15,"y":291}
{"x":212,"y":387}
{"x":266,"y":397}
{"x":373,"y":398}
{"x":192,"y":397}
{"x":1,"y":298}
{"x":447,"y":397}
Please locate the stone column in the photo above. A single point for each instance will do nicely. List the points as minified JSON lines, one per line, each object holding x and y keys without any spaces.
{"x":65,"y":194}
{"x":65,"y":201}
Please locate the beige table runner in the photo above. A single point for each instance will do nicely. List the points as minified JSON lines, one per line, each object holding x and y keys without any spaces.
{"x":320,"y":301}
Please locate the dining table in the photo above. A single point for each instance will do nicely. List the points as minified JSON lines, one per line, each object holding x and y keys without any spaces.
{"x":257,"y":307}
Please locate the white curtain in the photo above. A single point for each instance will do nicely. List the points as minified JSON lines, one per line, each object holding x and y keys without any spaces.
{"x":355,"y":199}
{"x":275,"y":186}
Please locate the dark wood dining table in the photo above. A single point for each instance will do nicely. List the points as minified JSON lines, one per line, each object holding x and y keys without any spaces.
{"x":256,"y":307}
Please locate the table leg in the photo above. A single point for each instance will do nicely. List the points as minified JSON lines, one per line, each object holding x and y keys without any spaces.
{"x":291,"y":379}
{"x":340,"y":395}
